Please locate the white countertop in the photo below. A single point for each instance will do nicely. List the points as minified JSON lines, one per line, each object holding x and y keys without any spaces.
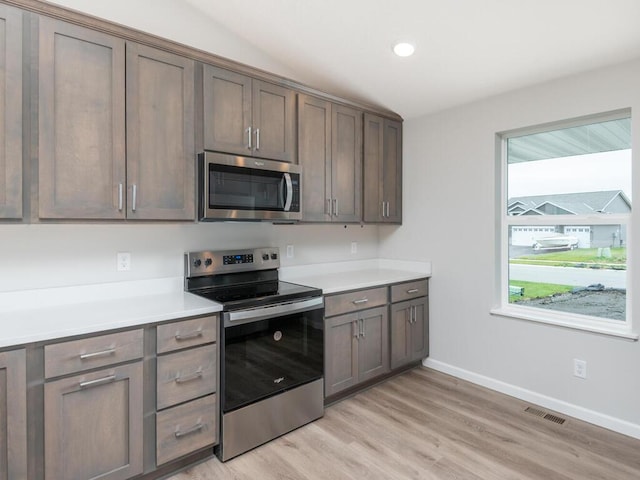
{"x":344,"y":276}
{"x":49,"y":314}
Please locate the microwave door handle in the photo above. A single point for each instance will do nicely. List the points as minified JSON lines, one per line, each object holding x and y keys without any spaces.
{"x":289,"y":198}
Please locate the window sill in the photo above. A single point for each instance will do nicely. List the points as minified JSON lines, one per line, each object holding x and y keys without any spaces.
{"x":566,"y":321}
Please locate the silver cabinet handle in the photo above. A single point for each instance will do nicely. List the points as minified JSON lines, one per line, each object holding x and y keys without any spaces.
{"x":98,"y":381}
{"x":258,"y":163}
{"x":257,"y":139}
{"x":358,"y":302}
{"x":335,"y":207}
{"x":383,"y":205}
{"x":329,"y":210}
{"x":120,"y":197}
{"x":248,"y":138}
{"x":187,"y":336}
{"x":187,"y":378}
{"x":196,"y":428}
{"x":102,"y":353}
{"x":387,"y":215}
{"x":412,"y":290}
{"x":362,"y":327}
{"x":135,"y":197}
{"x":415,"y":313}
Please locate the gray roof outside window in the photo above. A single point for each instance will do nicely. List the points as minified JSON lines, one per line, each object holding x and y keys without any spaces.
{"x":605,"y":136}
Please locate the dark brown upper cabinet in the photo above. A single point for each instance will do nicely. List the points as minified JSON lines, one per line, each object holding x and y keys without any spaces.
{"x":11,"y":108}
{"x":382,"y":191}
{"x":110,"y":146}
{"x":249,"y":117}
{"x":330,"y":153}
{"x":160,"y":135}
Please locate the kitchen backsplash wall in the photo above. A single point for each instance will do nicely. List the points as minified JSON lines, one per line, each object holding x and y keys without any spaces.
{"x":43,"y":256}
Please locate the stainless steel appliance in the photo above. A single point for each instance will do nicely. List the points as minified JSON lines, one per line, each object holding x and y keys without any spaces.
{"x":271,"y":345}
{"x":244,"y":188}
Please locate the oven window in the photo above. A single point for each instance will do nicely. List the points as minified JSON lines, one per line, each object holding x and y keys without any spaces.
{"x":243,"y":188}
{"x":269,"y":356}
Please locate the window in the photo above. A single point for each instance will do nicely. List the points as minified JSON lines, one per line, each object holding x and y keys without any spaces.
{"x":565,"y":213}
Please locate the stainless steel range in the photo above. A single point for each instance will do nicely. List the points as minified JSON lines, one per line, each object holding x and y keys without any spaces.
{"x":271,"y":345}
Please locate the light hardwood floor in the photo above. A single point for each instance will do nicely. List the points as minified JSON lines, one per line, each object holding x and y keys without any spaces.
{"x":427,"y":425}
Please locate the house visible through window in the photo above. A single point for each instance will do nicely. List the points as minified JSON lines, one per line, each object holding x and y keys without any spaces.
{"x":565,"y":220}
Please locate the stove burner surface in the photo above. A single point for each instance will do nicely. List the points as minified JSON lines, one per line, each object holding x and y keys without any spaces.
{"x":253,"y":295}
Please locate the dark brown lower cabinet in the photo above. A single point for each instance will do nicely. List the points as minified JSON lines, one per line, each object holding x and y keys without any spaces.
{"x":356,"y":348}
{"x":13,"y":415}
{"x":93,"y":425}
{"x":409,"y":331}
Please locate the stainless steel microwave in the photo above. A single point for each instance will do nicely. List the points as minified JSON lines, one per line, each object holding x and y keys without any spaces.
{"x":245,"y":188}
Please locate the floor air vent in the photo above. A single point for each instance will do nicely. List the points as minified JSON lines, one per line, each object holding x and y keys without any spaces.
{"x":547,"y":416}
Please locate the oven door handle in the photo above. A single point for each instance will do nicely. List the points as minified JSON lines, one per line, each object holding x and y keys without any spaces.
{"x":272,"y":311}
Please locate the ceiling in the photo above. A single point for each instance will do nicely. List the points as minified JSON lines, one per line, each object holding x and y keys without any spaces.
{"x":465,"y":49}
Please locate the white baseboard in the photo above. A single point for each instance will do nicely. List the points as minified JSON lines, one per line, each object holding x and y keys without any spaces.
{"x":581,"y":413}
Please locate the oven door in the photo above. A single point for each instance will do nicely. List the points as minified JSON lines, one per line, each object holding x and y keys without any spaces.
{"x":270,"y":350}
{"x":250,"y":189}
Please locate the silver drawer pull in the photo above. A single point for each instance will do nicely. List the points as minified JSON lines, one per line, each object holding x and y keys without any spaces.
{"x":413,"y":290}
{"x":103,"y":353}
{"x":196,"y":428}
{"x":358,"y":302}
{"x":98,"y":381}
{"x":187,"y":336}
{"x":187,"y":378}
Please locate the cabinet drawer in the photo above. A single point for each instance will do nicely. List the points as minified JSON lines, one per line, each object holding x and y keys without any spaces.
{"x":353,"y":301}
{"x":186,"y":428}
{"x":99,"y":351}
{"x":186,"y":374}
{"x":187,"y":333}
{"x":409,"y":290}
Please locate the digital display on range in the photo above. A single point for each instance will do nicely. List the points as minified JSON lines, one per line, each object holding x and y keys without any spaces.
{"x":235,"y":259}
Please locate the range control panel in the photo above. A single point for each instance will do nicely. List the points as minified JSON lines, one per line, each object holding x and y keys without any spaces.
{"x":208,"y":262}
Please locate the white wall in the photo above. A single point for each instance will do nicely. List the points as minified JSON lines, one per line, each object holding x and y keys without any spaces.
{"x":450,"y":196}
{"x":42,"y":256}
{"x":178,"y":21}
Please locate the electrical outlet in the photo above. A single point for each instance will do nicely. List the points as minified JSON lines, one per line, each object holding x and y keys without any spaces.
{"x":123,"y":261}
{"x":579,"y":368}
{"x":354,"y":247}
{"x":289,"y":251}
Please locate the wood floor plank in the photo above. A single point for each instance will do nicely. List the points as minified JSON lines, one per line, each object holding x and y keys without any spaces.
{"x":427,"y":425}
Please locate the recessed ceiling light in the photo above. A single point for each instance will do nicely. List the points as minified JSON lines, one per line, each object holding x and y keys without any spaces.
{"x":403,"y":49}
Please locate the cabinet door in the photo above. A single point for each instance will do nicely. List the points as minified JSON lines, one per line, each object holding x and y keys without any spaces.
{"x":314,"y":156}
{"x":382,"y":193}
{"x":11,"y":111}
{"x":227,"y":111}
{"x":401,"y":346}
{"x":274,"y":112}
{"x":341,"y":353}
{"x":81,"y":139}
{"x":13,"y":415}
{"x":160,"y":135}
{"x":373,"y":343}
{"x":346,"y":161}
{"x":409,"y":331}
{"x":374,"y":207}
{"x":392,"y":171}
{"x":420,"y":329}
{"x":93,"y":425}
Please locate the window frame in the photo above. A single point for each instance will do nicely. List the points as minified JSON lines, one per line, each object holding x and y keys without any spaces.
{"x":504,"y":221}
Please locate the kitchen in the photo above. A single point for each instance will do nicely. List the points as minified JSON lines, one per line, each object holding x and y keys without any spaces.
{"x":85,"y":254}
